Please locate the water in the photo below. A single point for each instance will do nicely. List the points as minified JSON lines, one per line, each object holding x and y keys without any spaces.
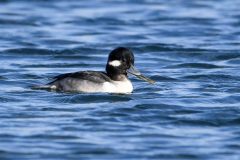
{"x":191,"y":48}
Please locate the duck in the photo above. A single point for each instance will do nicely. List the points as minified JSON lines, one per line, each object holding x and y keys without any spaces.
{"x":120,"y":65}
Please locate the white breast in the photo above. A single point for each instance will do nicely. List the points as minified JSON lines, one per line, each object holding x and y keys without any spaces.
{"x":118,"y":86}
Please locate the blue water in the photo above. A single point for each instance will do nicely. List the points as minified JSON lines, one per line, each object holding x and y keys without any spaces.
{"x":190,"y":48}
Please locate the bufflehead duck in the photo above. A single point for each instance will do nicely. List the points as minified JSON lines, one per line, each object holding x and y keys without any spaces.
{"x":114,"y":80}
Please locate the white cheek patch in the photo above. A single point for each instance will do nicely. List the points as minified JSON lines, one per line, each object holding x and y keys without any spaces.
{"x":115,"y":63}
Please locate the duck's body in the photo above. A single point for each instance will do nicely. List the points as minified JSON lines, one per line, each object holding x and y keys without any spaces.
{"x":91,"y":81}
{"x":114,"y":80}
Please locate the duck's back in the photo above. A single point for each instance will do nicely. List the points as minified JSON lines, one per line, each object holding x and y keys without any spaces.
{"x":84,"y":81}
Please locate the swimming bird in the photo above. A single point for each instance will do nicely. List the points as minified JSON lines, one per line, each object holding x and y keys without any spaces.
{"x":115,"y":80}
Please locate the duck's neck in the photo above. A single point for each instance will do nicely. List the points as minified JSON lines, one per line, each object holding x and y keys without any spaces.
{"x":118,"y":77}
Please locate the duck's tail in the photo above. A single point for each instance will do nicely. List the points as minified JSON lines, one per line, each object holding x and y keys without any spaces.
{"x":45,"y":87}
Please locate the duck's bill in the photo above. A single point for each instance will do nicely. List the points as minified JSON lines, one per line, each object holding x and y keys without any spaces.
{"x":136,"y":73}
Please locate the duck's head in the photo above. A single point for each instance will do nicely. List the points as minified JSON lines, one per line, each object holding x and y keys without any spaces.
{"x":120,"y":63}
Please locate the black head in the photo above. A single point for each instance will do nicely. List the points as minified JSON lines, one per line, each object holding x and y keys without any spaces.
{"x":119,"y":61}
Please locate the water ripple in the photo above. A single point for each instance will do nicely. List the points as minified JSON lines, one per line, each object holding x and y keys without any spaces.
{"x":190,"y":48}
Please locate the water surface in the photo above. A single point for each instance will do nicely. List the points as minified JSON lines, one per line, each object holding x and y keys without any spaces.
{"x":191,"y":48}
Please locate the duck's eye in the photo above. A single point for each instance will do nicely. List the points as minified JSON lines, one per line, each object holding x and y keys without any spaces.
{"x":124,"y":60}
